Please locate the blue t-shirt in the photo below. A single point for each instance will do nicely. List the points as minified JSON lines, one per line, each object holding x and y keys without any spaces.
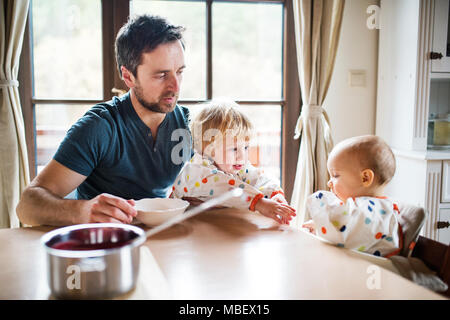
{"x":116,"y":151}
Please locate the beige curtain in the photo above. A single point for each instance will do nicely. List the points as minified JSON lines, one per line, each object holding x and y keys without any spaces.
{"x":13,"y":152}
{"x":317,"y":29}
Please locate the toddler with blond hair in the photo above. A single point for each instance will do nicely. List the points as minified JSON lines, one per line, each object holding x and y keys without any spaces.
{"x":355,"y":214}
{"x":221,"y":136}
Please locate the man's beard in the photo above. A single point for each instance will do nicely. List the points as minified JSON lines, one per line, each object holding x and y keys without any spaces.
{"x":159,"y":106}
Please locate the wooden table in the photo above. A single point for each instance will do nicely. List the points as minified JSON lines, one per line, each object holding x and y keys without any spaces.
{"x":223,"y":254}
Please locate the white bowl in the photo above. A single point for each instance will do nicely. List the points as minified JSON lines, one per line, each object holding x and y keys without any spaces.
{"x":155,"y":211}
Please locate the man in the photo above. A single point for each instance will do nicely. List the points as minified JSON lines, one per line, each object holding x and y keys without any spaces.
{"x":122,"y":149}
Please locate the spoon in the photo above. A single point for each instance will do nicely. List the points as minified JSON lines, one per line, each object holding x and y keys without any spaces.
{"x":194,"y":211}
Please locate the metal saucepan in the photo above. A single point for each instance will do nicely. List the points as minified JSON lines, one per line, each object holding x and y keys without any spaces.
{"x":101,"y":260}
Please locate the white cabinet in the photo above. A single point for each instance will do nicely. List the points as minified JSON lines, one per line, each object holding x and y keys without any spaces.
{"x":410,"y":31}
{"x":441,"y":36}
{"x":445,"y":182}
{"x":444,"y":231}
{"x":422,"y":179}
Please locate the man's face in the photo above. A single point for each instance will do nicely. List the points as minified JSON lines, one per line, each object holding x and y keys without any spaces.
{"x":158,"y":77}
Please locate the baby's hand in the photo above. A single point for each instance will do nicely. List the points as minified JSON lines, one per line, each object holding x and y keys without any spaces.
{"x":279,"y":198}
{"x":280,"y":212}
{"x":310,"y":226}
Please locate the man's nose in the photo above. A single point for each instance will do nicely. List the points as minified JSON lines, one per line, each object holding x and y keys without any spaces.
{"x":174,"y":84}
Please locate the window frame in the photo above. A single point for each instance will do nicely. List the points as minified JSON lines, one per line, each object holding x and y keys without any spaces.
{"x":114,"y":15}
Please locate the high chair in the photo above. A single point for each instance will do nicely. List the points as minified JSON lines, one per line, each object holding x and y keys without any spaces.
{"x":411,"y":220}
{"x":436,"y":256}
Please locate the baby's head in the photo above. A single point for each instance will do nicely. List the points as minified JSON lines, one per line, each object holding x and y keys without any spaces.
{"x":360,"y":166}
{"x":222,"y":132}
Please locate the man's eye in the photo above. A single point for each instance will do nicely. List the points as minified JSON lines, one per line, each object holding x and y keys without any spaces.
{"x":246,"y":147}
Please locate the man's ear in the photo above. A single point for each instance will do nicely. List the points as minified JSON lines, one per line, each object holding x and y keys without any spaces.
{"x":128,"y":77}
{"x":367,"y":177}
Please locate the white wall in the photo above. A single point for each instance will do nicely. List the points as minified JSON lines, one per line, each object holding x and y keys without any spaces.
{"x":352,"y":109}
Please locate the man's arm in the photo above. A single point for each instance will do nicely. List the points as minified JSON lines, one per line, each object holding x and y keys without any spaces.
{"x":43,"y":203}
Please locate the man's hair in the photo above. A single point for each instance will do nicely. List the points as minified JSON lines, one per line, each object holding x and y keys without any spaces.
{"x":142,"y":34}
{"x":221,"y":114}
{"x":373,"y":153}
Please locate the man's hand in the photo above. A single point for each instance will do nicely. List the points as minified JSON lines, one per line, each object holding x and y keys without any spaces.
{"x":108,"y":208}
{"x":280,"y":212}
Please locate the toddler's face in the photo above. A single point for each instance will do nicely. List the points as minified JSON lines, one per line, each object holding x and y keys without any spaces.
{"x":345,"y":179}
{"x":232,"y":156}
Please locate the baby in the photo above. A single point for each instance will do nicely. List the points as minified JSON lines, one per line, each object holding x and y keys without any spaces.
{"x":221,"y":137}
{"x":355,"y":214}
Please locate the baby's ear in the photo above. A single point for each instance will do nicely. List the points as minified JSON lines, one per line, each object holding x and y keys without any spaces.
{"x":367,"y":177}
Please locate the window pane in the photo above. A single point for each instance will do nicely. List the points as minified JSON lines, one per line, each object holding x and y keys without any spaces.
{"x":67,"y":49}
{"x":265,"y":148}
{"x":267,"y":144}
{"x":52,"y":123}
{"x":192,"y":16}
{"x":247,"y":50}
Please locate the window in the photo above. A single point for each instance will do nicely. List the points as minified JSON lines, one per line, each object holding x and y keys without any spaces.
{"x":234,"y":49}
{"x":246,"y":63}
{"x":67,"y":49}
{"x":186,"y":14}
{"x":67,"y":65}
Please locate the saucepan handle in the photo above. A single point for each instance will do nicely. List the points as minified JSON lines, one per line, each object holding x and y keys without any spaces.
{"x":237,"y":192}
